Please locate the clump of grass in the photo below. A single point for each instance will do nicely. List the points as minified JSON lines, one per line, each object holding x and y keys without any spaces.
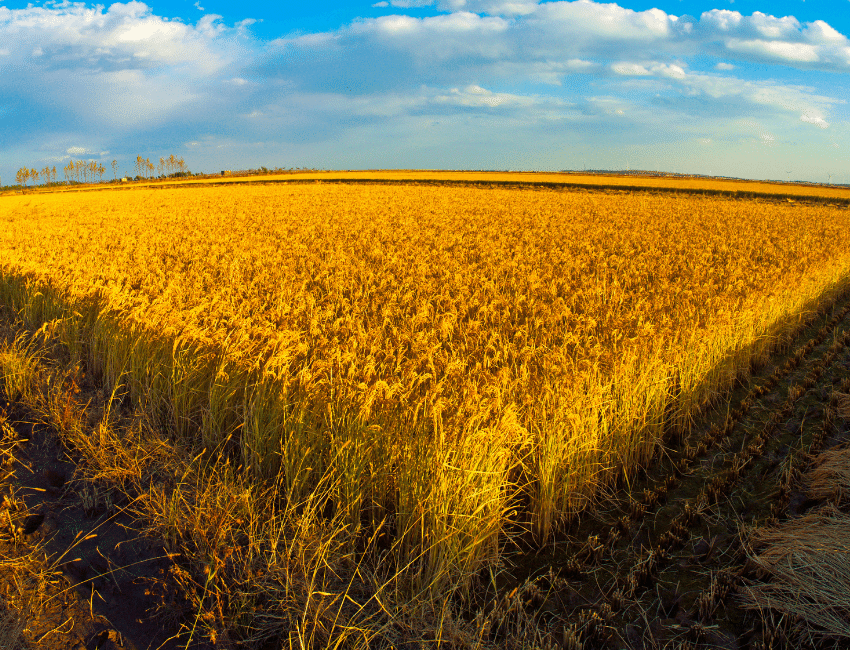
{"x":26,"y":580}
{"x":19,"y":363}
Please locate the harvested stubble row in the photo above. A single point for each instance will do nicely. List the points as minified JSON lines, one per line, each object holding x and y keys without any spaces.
{"x":426,"y":352}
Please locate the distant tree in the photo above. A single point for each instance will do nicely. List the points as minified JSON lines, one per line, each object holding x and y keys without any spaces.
{"x":115,"y":170}
{"x":20,"y":177}
{"x":34,"y":176}
{"x":53,"y":173}
{"x":160,"y":168}
{"x":100,"y":171}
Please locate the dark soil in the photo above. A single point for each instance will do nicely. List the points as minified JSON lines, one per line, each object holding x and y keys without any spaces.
{"x":107,"y":586}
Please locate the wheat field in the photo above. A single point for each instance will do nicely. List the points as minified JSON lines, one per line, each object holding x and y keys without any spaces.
{"x":458,"y":359}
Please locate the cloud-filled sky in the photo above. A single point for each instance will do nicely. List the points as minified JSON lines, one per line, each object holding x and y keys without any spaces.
{"x":749,"y":88}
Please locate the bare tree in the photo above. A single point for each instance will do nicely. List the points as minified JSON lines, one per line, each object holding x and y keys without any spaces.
{"x":115,"y":169}
{"x":34,"y":176}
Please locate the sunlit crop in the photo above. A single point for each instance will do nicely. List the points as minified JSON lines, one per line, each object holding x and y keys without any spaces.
{"x":453,"y":358}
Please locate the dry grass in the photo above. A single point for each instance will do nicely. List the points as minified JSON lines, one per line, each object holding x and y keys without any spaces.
{"x":24,"y":577}
{"x":252,"y":566}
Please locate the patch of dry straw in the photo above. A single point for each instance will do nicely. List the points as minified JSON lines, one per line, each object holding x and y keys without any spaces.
{"x":830,"y":477}
{"x":808,"y":564}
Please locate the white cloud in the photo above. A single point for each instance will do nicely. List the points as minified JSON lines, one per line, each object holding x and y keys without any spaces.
{"x":820,"y":32}
{"x":476,"y":96}
{"x":721,"y":20}
{"x":773,"y":27}
{"x":404,"y":4}
{"x":119,"y":66}
{"x":782,"y":50}
{"x":770,"y":38}
{"x":588,"y":21}
{"x":724,"y":66}
{"x":491,"y":7}
{"x":630,"y":69}
{"x":125,"y":36}
{"x":815,"y":119}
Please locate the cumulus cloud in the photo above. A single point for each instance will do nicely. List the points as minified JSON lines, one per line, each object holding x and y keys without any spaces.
{"x":782,"y":39}
{"x":109,"y":68}
{"x":122,"y":36}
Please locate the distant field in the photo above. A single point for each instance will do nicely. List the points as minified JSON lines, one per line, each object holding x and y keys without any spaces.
{"x":438,"y":353}
{"x":612,"y":180}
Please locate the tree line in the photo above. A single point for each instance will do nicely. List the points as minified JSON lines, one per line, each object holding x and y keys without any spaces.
{"x":171,"y":166}
{"x":90,"y":171}
{"x":25,"y":175}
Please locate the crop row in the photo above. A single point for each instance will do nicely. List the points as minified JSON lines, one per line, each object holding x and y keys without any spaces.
{"x":650,"y":498}
{"x":632,"y":575}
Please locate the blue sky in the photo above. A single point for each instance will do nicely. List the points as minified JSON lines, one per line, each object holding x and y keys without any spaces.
{"x":750,"y":89}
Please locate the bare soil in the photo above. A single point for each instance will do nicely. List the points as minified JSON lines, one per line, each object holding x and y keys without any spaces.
{"x":102,"y":584}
